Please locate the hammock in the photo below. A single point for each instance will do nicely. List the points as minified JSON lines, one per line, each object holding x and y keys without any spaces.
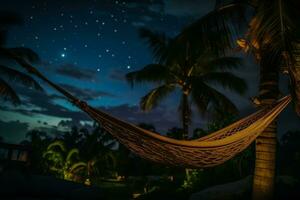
{"x":207,"y":151}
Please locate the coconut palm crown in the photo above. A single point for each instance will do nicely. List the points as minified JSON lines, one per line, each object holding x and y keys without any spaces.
{"x":192,"y":69}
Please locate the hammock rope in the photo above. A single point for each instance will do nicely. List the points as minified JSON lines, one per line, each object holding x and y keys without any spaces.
{"x":211,"y":150}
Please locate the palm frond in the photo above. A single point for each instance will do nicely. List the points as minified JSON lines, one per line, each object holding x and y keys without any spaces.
{"x":49,"y":153}
{"x":275,"y":28}
{"x":208,"y":99}
{"x":57,"y":144}
{"x":220,"y":103}
{"x":150,"y":73}
{"x":158,"y":42}
{"x":152,"y":99}
{"x":227,"y":80}
{"x":73,"y":152}
{"x":77,"y":167}
{"x":222,"y":63}
{"x":25,"y":53}
{"x":7,"y":93}
{"x":20,"y":77}
{"x":10,"y":18}
{"x":216,"y":31}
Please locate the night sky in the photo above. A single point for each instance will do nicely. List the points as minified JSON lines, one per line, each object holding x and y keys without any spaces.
{"x":87,"y":46}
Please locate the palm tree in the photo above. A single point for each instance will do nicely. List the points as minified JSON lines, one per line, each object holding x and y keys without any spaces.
{"x":8,"y":56}
{"x":64,"y":162}
{"x":191,"y":69}
{"x":272,"y":35}
{"x":96,"y":152}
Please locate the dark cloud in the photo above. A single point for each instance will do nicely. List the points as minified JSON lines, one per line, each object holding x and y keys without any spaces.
{"x":138,"y":24}
{"x":117,"y":74}
{"x":35,"y":102}
{"x":178,"y":8}
{"x":86,"y":94}
{"x":74,"y":71}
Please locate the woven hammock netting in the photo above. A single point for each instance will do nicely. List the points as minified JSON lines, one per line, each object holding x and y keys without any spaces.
{"x":211,"y":150}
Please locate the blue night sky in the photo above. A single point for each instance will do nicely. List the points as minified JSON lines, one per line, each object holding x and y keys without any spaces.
{"x":87,"y":46}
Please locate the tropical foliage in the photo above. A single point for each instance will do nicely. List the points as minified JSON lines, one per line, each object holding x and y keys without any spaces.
{"x":63,"y":162}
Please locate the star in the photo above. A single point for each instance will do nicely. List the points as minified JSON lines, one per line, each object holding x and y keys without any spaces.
{"x":128,"y":67}
{"x":98,"y":69}
{"x":63,"y":55}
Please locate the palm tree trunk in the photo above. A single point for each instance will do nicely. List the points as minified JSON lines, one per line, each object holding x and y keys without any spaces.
{"x":264,"y":173}
{"x":185,"y":116}
{"x":185,"y":125}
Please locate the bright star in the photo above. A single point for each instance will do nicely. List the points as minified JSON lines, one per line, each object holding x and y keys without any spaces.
{"x":63,"y":55}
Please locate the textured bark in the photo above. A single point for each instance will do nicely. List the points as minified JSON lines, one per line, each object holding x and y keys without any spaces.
{"x":264,"y":173}
{"x":185,"y":116}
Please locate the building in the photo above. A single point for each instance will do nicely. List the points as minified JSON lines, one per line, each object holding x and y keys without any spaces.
{"x":13,"y":156}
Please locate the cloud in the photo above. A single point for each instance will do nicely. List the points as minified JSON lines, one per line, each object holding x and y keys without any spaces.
{"x":117,"y":74}
{"x":75,"y":72}
{"x":138,"y":24}
{"x":196,"y":8}
{"x":86,"y":94}
{"x":36,"y":102}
